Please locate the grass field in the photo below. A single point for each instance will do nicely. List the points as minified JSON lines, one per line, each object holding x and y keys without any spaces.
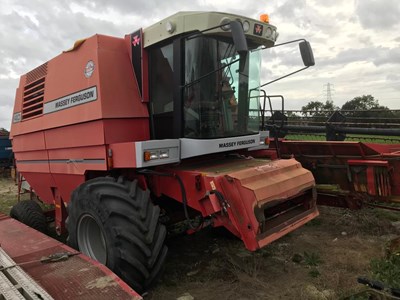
{"x":8,"y":194}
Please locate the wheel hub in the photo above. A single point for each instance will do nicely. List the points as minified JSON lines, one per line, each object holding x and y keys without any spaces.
{"x":91,"y":239}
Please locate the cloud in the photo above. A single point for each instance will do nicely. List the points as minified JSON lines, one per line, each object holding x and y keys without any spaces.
{"x":378,"y":56}
{"x":7,"y":90}
{"x":355,"y":43}
{"x":5,"y":116}
{"x":393,"y":77}
{"x":32,"y":40}
{"x":377,"y":14}
{"x":291,"y":9}
{"x":148,"y":12}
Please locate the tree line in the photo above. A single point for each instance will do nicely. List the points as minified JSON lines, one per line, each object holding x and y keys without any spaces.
{"x":3,"y":132}
{"x":365,"y":106}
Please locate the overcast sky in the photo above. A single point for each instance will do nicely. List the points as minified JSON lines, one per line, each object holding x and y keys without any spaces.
{"x":355,"y":42}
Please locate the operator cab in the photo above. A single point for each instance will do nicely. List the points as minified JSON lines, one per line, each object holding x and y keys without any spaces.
{"x":202,"y":76}
{"x":214,"y":106}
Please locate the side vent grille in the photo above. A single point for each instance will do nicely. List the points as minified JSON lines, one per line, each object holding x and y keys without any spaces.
{"x":32,"y":104}
{"x":37,"y":73}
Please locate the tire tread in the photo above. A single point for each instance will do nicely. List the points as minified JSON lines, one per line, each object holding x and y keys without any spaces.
{"x":131,"y":221}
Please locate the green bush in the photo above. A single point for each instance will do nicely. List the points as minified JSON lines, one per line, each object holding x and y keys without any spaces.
{"x":387,"y":270}
{"x":312,"y":259}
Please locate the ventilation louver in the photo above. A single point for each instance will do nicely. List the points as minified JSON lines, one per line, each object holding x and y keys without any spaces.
{"x":32,"y":105}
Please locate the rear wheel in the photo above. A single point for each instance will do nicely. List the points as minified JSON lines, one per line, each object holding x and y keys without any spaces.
{"x":30,"y":213}
{"x":114,"y":221}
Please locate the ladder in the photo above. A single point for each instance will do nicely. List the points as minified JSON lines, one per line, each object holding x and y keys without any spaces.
{"x":15,"y":284}
{"x":24,"y":187}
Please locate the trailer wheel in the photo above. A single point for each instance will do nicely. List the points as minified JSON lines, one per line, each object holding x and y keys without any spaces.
{"x":30,"y":213}
{"x":114,"y":221}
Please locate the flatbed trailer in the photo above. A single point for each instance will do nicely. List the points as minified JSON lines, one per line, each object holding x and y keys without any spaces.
{"x":36,"y":266}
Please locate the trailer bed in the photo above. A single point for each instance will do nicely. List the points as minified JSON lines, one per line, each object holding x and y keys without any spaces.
{"x":74,"y":276}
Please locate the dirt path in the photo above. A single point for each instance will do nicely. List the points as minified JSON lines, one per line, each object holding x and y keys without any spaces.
{"x":318,"y":261}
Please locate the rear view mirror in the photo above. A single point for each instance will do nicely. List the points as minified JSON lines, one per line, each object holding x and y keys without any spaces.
{"x":306,"y":54}
{"x":239,"y":38}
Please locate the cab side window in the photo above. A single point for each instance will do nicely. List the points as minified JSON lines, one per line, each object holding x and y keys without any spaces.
{"x":161,"y":91}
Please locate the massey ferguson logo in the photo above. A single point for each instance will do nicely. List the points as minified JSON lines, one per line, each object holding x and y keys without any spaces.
{"x":237,"y":143}
{"x":258,"y":29}
{"x":136,"y":40}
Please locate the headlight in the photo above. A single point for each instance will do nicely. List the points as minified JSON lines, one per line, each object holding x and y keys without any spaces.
{"x":246,"y":26}
{"x":225,"y":24}
{"x":268,"y":32}
{"x":164,"y":154}
{"x":276,"y":35}
{"x":150,"y":155}
{"x":170,"y":27}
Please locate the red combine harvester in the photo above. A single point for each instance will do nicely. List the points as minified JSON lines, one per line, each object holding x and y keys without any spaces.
{"x":129,"y":136}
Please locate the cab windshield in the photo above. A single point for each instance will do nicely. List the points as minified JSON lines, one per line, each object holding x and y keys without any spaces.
{"x":218,"y":100}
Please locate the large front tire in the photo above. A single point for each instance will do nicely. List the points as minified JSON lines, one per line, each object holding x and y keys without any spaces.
{"x":114,"y":221}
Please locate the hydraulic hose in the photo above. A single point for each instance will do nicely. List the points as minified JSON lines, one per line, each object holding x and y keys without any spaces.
{"x":183,"y":193}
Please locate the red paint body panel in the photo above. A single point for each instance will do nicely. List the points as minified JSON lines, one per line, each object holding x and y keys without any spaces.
{"x":73,"y":140}
{"x":117,"y":96}
{"x":330,"y":163}
{"x":66,"y":183}
{"x":94,"y":159}
{"x":32,"y":155}
{"x":76,"y":135}
{"x":378,"y":163}
{"x":36,"y":161}
{"x":33,"y":141}
{"x":76,"y":278}
{"x":120,"y":90}
{"x":126,"y":130}
{"x":124,"y":155}
{"x":41,"y":183}
{"x":251,"y":189}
